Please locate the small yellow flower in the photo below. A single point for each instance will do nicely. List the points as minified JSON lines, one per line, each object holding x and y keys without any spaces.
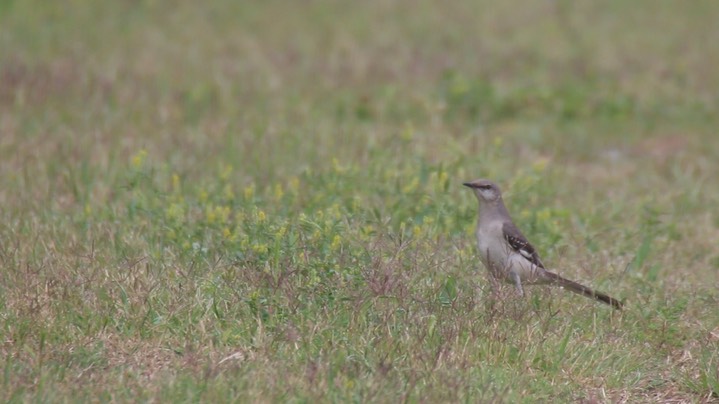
{"x":442,"y":179}
{"x":540,"y":164}
{"x":261,"y":217}
{"x":225,"y":172}
{"x":227,"y":233}
{"x":175,"y":212}
{"x":337,"y":167}
{"x":249,"y":191}
{"x":336,"y":242}
{"x":228,"y":192}
{"x":175,"y":183}
{"x":260,"y":248}
{"x":281,"y":231}
{"x":217,"y":214}
{"x":543,"y":215}
{"x":334,"y":211}
{"x":279,"y":193}
{"x":203,"y":195}
{"x":497,"y":141}
{"x":88,"y":209}
{"x":368,"y":230}
{"x":210,"y":214}
{"x":410,"y":187}
{"x":139,"y":159}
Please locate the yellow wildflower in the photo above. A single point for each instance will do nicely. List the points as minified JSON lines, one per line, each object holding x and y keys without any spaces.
{"x":442,"y":179}
{"x":540,"y":164}
{"x":225,"y":172}
{"x":279,"y":193}
{"x":228,"y":192}
{"x":210,"y":214}
{"x":139,"y":159}
{"x":249,"y":191}
{"x":336,"y":242}
{"x":334,"y":211}
{"x":410,"y":187}
{"x":336,"y":166}
{"x":261,"y":217}
{"x":368,"y":230}
{"x":281,"y":231}
{"x":543,"y":215}
{"x":203,"y":195}
{"x":175,"y":183}
{"x":260,"y":248}
{"x":175,"y":212}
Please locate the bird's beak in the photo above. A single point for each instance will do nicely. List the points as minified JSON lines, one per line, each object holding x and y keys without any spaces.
{"x":468,"y":184}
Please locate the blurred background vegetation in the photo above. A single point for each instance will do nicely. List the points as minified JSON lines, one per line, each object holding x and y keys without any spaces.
{"x":277,"y":184}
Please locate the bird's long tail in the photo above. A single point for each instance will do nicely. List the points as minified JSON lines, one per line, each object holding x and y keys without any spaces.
{"x":583,"y":290}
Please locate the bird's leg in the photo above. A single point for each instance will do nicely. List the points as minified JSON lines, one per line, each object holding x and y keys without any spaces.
{"x":517,"y":282}
{"x":513,"y":276}
{"x":493,"y":281}
{"x":496,"y":275}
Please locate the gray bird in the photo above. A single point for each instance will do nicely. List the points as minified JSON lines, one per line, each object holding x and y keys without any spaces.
{"x":507,"y":254}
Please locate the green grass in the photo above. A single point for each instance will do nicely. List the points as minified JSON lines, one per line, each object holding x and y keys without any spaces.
{"x":262,"y":201}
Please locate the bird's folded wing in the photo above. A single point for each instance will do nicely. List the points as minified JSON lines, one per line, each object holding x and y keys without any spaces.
{"x":519,"y":243}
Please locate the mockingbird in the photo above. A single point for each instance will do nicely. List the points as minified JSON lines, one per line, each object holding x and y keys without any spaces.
{"x":507,"y":254}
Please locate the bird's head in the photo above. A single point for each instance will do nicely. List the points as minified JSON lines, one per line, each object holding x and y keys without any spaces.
{"x":484,"y":190}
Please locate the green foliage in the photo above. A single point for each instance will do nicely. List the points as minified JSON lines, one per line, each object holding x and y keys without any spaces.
{"x":262,"y":201}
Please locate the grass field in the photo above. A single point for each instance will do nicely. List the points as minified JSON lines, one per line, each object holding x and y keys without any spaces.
{"x":262,"y":201}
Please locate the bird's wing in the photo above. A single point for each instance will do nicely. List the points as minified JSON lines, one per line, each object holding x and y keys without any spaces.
{"x":519,"y":244}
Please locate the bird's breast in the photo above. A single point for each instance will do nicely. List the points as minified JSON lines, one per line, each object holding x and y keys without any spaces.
{"x":491,"y":246}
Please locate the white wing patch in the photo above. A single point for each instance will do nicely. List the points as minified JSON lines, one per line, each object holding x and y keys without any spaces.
{"x":525,"y":253}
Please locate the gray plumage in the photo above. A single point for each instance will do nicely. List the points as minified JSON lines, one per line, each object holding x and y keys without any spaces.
{"x":508,"y":255}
